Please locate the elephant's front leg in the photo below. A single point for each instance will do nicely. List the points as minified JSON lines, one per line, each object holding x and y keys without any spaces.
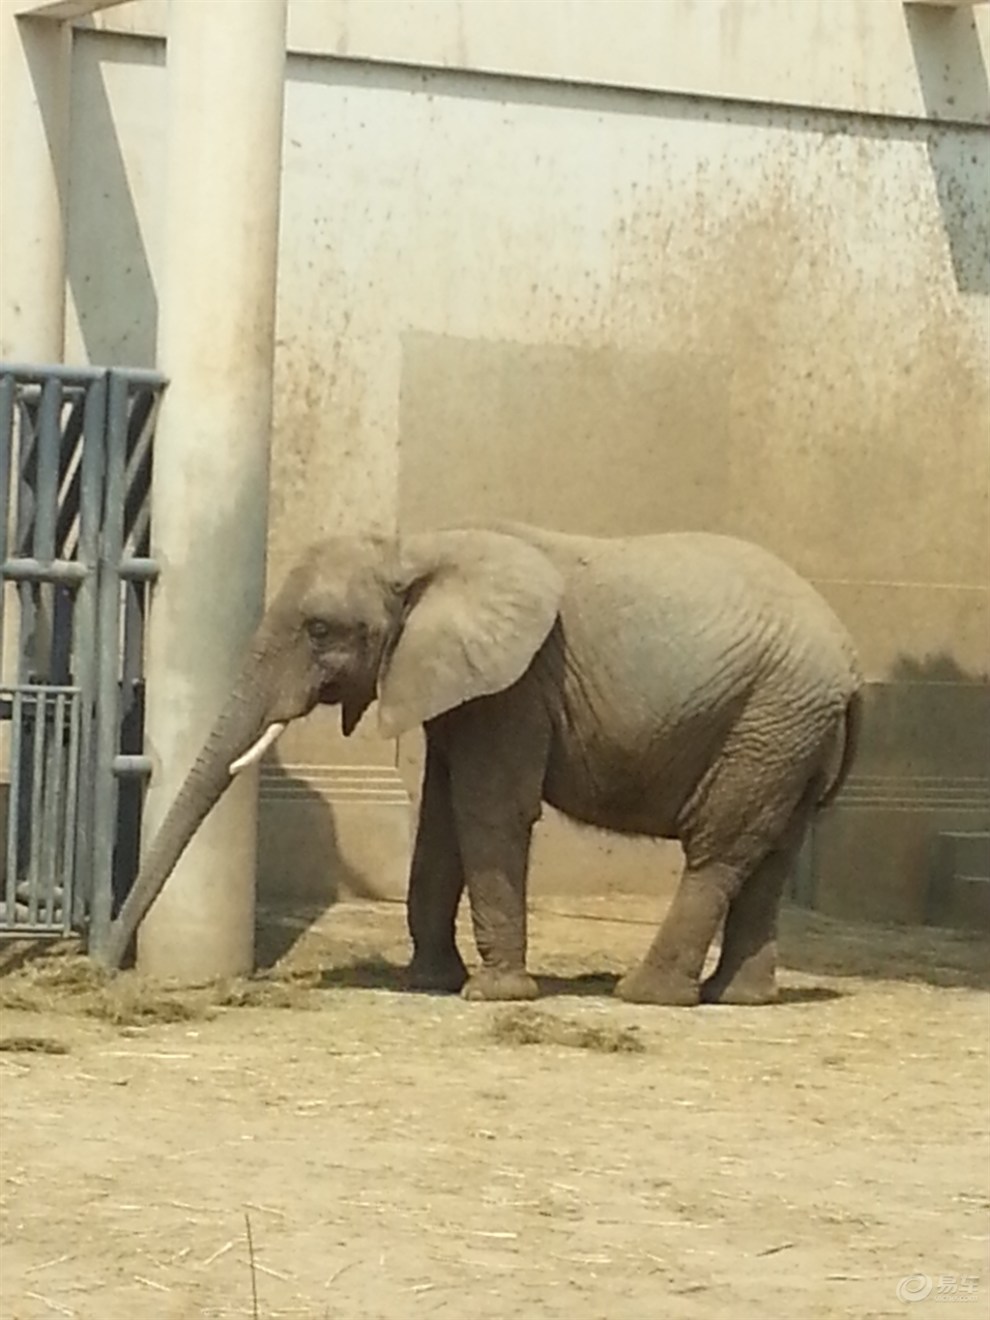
{"x":495,"y":847}
{"x":496,"y":770}
{"x":436,"y":882}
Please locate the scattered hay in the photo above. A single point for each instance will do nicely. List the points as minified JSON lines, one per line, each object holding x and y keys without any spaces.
{"x":72,"y":985}
{"x":528,"y":1026}
{"x":373,"y":972}
{"x":270,"y":990}
{"x":125,"y":1002}
{"x":144,"y":1004}
{"x":17,"y":952}
{"x":31,"y":1045}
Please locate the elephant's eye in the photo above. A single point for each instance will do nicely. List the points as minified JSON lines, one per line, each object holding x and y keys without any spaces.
{"x":319,"y":630}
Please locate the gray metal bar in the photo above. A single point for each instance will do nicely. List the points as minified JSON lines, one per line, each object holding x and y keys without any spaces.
{"x":142,"y":521}
{"x":138,"y":569}
{"x":54,"y":809}
{"x":67,"y":525}
{"x":7,"y":388}
{"x":37,"y":784}
{"x":26,"y":425}
{"x":36,"y":932}
{"x":14,"y":803}
{"x":46,"y":487}
{"x":28,"y":446}
{"x":47,"y":842}
{"x":28,"y":622}
{"x":69,"y":689}
{"x":107,"y":731}
{"x":137,"y":513}
{"x":46,"y":823}
{"x":47,"y":455}
{"x":133,"y":657}
{"x":69,"y":858}
{"x":32,"y":373}
{"x":61,"y":667}
{"x":37,"y":570}
{"x":126,"y":766}
{"x":84,"y":658}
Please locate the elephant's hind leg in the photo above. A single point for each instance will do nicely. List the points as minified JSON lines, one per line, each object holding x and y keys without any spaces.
{"x":747,"y":967}
{"x":750,"y":803}
{"x":671,"y":970}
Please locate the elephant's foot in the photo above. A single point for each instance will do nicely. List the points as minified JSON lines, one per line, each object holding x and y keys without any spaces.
{"x":740,"y":990}
{"x":655,"y":985}
{"x":495,"y":983}
{"x":749,"y":982}
{"x":442,"y":973}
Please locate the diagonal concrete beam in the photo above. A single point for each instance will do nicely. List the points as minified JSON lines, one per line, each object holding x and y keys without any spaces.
{"x":60,"y":11}
{"x":34,"y":144}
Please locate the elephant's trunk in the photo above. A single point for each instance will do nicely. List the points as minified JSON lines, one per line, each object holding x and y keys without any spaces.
{"x":237,"y":729}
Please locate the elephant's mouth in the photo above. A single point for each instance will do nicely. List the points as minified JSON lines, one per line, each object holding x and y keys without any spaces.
{"x":352,"y":696}
{"x":353,"y":704}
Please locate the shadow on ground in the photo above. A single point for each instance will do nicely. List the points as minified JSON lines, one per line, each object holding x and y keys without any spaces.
{"x":583,"y":951}
{"x":817,"y":945}
{"x":379,"y":974}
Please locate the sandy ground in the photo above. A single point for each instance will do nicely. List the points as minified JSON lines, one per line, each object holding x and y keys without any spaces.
{"x":407,"y":1156}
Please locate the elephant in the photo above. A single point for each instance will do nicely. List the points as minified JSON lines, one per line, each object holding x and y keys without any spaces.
{"x":682,"y":685}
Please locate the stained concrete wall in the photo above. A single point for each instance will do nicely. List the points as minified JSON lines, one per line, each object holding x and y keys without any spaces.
{"x":880,"y":57}
{"x":616,"y":281}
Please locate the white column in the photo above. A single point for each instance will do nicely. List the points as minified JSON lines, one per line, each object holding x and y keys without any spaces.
{"x":34,"y":139}
{"x":226,"y":67}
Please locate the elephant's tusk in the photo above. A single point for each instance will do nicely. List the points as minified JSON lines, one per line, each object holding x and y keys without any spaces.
{"x":257,"y":750}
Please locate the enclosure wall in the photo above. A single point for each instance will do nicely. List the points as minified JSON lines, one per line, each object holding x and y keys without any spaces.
{"x":615,"y":269}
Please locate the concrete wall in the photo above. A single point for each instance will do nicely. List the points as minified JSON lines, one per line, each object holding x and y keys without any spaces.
{"x":738,"y":279}
{"x":869,"y":56}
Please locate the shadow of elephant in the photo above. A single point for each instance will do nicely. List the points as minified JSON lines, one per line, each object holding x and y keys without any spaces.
{"x":302,"y":871}
{"x":381,"y":974}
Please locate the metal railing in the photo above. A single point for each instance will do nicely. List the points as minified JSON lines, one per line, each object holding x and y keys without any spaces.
{"x":44,"y":786}
{"x":76,"y":447}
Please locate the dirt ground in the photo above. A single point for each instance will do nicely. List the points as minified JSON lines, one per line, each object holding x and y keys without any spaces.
{"x":400,"y":1156}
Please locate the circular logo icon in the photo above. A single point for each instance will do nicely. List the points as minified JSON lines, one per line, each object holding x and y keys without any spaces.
{"x":914,"y":1288}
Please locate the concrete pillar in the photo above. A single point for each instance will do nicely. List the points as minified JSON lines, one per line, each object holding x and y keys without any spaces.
{"x":226,"y":68}
{"x":34,"y":142}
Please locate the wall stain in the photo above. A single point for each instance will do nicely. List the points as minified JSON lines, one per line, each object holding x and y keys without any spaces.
{"x":784,"y":355}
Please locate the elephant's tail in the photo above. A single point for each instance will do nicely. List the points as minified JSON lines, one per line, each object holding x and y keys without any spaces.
{"x":851,"y":729}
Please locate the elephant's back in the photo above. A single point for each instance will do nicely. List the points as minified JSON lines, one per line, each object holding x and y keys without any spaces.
{"x":669,"y":640}
{"x":676,"y":593}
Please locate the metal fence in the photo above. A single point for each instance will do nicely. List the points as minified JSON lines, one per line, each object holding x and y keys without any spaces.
{"x":76,"y":450}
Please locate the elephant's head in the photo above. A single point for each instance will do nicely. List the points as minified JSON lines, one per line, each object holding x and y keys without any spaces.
{"x":424,"y":624}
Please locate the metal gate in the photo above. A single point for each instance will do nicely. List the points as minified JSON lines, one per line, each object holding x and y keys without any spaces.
{"x":75,"y":516}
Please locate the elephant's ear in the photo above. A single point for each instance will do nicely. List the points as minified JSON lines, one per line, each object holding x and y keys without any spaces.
{"x":478,"y":606}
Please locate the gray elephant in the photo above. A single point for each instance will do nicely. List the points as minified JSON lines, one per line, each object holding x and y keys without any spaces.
{"x":681,"y":686}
